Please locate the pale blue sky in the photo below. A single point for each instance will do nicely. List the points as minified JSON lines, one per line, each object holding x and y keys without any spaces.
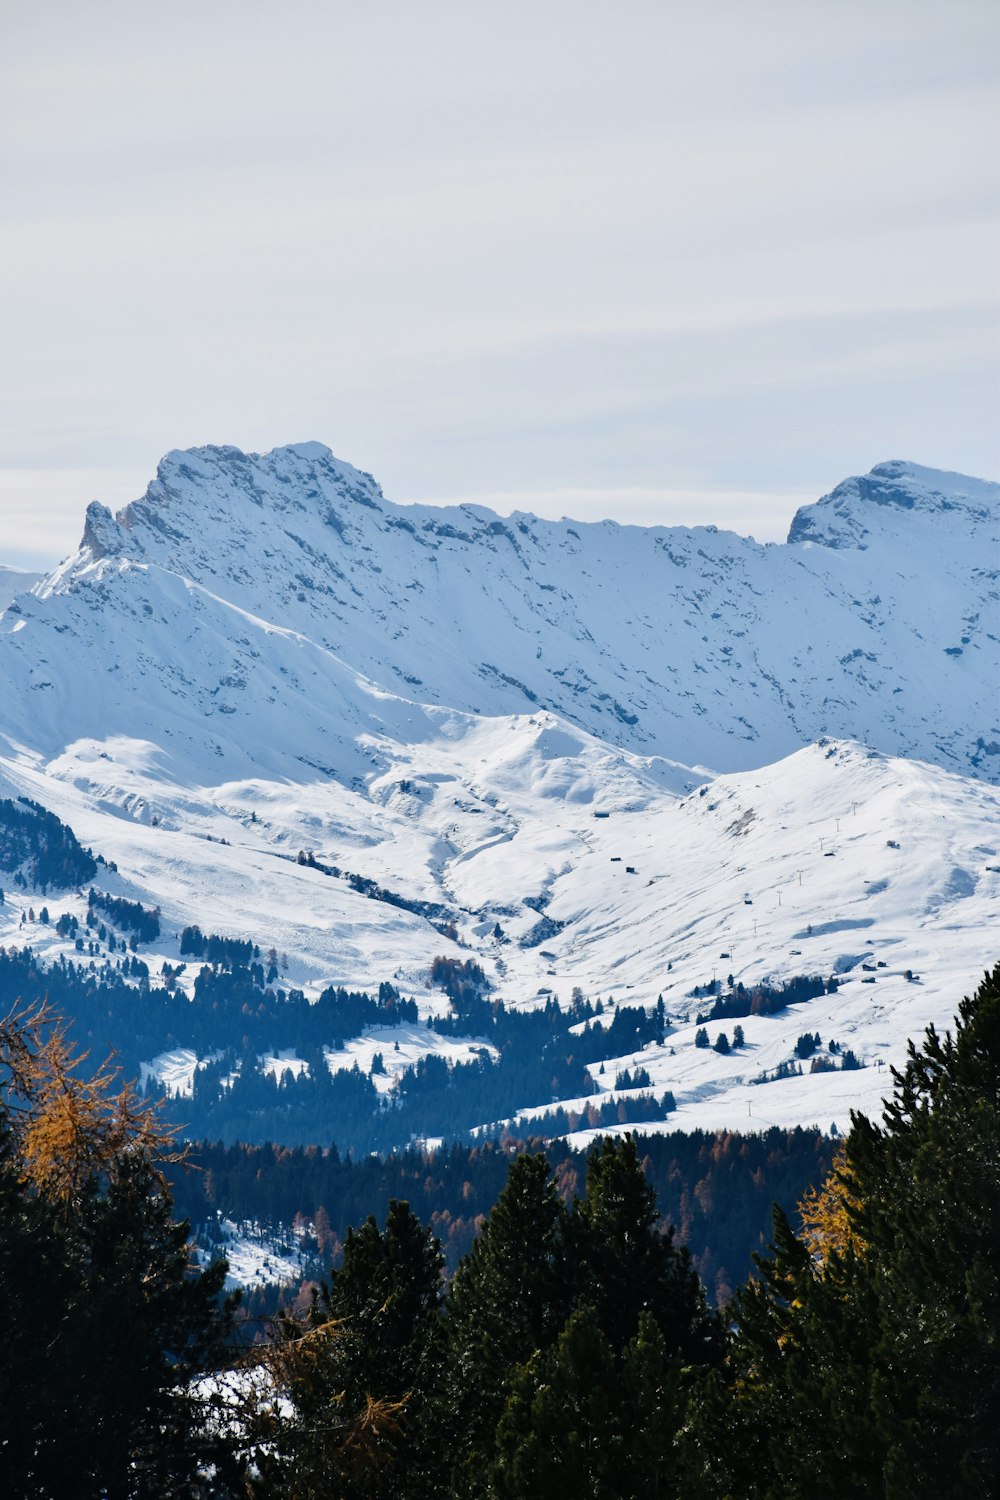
{"x":662,"y":262}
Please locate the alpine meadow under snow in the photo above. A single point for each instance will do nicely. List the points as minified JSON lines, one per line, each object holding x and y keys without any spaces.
{"x":629,"y":762}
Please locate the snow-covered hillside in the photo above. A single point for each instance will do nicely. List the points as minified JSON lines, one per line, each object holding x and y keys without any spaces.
{"x":589,"y":753}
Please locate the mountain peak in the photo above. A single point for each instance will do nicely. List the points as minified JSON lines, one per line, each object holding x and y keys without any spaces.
{"x":103,"y":535}
{"x":311,"y":452}
{"x":216,"y":501}
{"x":847,"y":516}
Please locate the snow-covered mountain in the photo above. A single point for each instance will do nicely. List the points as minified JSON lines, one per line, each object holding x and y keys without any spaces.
{"x":244,"y":596}
{"x":591,"y":748}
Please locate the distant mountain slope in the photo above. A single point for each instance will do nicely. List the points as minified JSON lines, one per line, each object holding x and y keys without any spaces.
{"x":835,"y":861}
{"x":261,"y":607}
{"x":581,"y":757}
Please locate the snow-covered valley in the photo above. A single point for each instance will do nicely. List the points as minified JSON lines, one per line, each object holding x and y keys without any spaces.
{"x":616,"y":762}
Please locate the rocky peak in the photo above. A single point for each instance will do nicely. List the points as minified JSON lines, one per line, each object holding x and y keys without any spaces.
{"x":847,"y":516}
{"x":103,"y":535}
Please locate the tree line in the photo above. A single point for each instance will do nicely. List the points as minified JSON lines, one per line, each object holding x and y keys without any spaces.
{"x":236,"y":1016}
{"x":715,"y":1187}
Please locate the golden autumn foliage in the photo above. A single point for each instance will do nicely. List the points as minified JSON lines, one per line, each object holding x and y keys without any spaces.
{"x":110,"y":1327}
{"x":827,"y":1213}
{"x":70,"y":1124}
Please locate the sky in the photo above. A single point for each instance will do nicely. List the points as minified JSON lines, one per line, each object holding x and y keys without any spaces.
{"x":661,"y":262}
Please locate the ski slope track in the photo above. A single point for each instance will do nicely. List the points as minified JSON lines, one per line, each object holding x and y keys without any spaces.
{"x":621,"y":758}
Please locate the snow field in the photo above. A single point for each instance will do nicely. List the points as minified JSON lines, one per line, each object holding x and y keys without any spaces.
{"x":513,"y":722}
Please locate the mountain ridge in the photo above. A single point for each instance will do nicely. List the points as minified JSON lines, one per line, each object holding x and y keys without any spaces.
{"x":670,"y":641}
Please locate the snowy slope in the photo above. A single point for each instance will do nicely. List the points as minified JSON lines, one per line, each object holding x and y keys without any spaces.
{"x":14,"y":581}
{"x":523,"y":723}
{"x":834,"y":858}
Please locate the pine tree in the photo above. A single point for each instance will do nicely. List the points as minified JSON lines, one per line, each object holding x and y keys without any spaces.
{"x":652,"y":1385}
{"x":360,"y":1371}
{"x":302,"y":1435}
{"x":509,"y":1299}
{"x":389,"y":1290}
{"x":628,"y":1265}
{"x":928,"y":1181}
{"x":561,"y":1431}
{"x":388,"y":1294}
{"x":142,"y":1328}
{"x":865,"y":1360}
{"x":35,"y":1288}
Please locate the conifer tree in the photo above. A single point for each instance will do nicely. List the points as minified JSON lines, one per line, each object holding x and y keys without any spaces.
{"x":653,"y":1399}
{"x":354,"y":1379}
{"x":303,"y":1435}
{"x":35,"y":1286}
{"x":561,"y":1431}
{"x":627,"y":1265}
{"x":389,"y":1289}
{"x":637,"y":1316}
{"x":142,"y":1328}
{"x":388,"y":1294}
{"x":98,"y":1383}
{"x":865,"y":1360}
{"x":509,"y":1299}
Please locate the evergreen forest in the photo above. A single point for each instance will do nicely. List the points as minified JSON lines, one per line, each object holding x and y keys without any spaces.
{"x":573,"y":1351}
{"x":716,"y":1188}
{"x":237,"y":1015}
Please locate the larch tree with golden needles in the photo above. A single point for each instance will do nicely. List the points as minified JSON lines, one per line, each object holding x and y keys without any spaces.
{"x":109,"y":1325}
{"x":829,"y":1212}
